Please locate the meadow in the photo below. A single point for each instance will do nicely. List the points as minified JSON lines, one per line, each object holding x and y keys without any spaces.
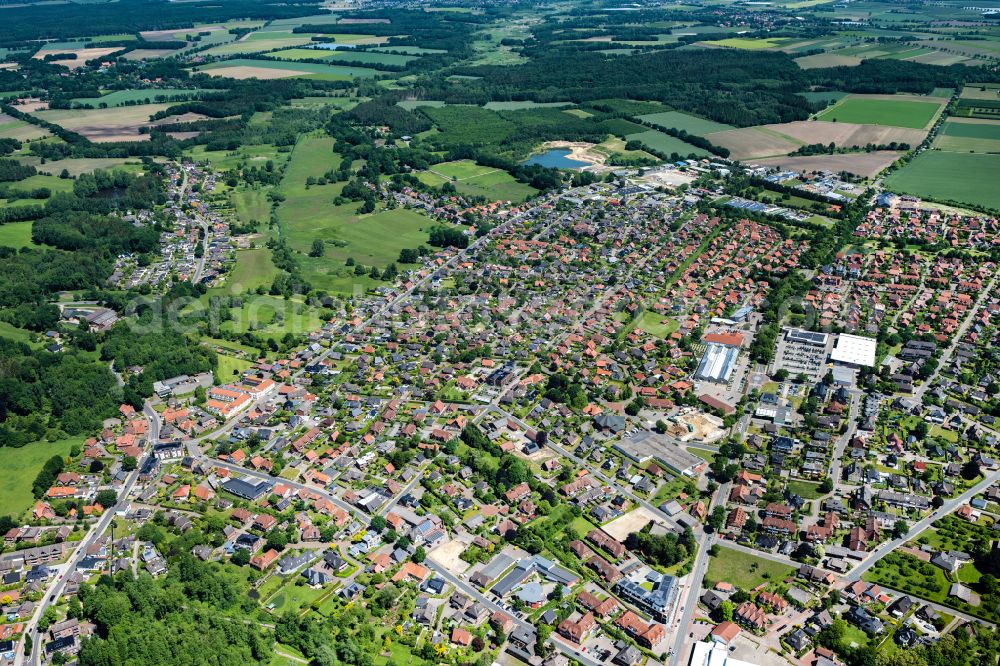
{"x":308,"y":214}
{"x":21,"y":466}
{"x":881,"y":110}
{"x":16,"y":234}
{"x":960,"y":177}
{"x":254,"y":269}
{"x":474,"y":180}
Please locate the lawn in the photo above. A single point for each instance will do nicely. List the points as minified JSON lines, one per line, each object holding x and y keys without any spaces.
{"x":744,"y":570}
{"x":804,"y":489}
{"x":273,"y":315}
{"x":293,"y":597}
{"x":21,"y":466}
{"x":12,"y":332}
{"x":656,"y":324}
{"x":959,"y":177}
{"x":881,"y":111}
{"x":16,"y":234}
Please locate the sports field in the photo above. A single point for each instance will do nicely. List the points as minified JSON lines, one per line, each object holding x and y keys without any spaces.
{"x":21,"y":466}
{"x":969,"y":135}
{"x":960,"y":177}
{"x":684,"y":121}
{"x":881,"y":110}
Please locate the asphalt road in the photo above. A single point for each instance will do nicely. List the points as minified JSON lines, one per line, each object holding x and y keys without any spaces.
{"x":58,"y":584}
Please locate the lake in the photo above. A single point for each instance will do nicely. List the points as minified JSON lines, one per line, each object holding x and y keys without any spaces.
{"x":555,"y":158}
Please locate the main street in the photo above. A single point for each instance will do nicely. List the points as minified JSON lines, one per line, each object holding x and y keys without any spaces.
{"x":57,"y":585}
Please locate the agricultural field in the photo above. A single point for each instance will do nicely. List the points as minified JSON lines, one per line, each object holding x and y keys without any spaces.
{"x":82,"y":55}
{"x":750,"y":44}
{"x":754,"y":142}
{"x":12,"y":128}
{"x":328,"y":55}
{"x":76,"y":166}
{"x":130,"y":97}
{"x":846,"y":135}
{"x":664,"y":143}
{"x":21,"y":466}
{"x":520,"y":106}
{"x":258,"y":42}
{"x":242,"y":68}
{"x":950,"y":177}
{"x":105,"y":125}
{"x":890,"y":110}
{"x":969,"y":135}
{"x":684,"y":121}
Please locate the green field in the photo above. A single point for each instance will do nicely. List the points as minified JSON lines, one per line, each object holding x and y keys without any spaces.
{"x":254,"y":268}
{"x":16,"y":234}
{"x":656,"y":324}
{"x":230,"y":368}
{"x":743,"y":570}
{"x":751,"y":44}
{"x":896,"y":113}
{"x":12,"y":332}
{"x":960,"y":177}
{"x":309,"y":214}
{"x":520,"y":106}
{"x":148,"y":96}
{"x":666,"y":144}
{"x":973,"y":137}
{"x":474,"y":180}
{"x":684,"y":121}
{"x":21,"y":466}
{"x":329,"y":55}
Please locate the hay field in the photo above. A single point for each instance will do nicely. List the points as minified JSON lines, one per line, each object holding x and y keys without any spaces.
{"x":895,"y":110}
{"x":867,"y":165}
